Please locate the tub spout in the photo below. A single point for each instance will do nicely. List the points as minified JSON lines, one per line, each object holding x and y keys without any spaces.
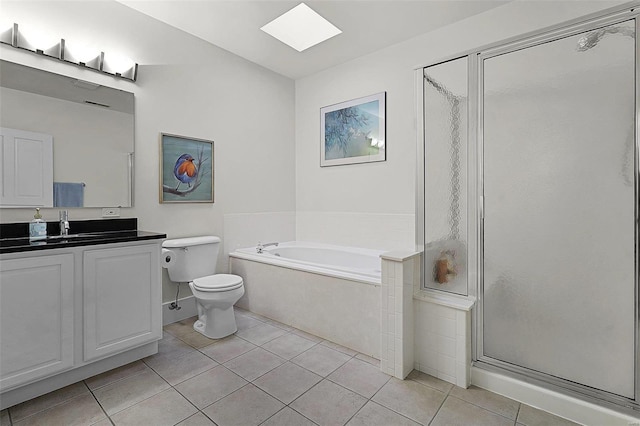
{"x":260,"y":247}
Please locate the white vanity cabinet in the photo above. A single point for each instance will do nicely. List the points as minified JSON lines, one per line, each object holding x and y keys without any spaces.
{"x":70,"y":313}
{"x":36,"y":318}
{"x":121,"y":297}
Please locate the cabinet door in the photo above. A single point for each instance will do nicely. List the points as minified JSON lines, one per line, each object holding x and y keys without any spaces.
{"x":36,"y":318}
{"x":27,"y":168}
{"x":122,"y":299}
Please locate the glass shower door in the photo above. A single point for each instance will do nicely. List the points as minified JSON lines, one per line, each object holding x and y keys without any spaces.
{"x":559,"y":232}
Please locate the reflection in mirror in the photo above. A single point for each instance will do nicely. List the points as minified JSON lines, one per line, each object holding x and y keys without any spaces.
{"x":92,"y":127}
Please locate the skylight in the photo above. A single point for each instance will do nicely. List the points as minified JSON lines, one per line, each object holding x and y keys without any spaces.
{"x":301,"y":28}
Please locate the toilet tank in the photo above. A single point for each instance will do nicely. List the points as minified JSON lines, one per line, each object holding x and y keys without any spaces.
{"x":189,"y":258}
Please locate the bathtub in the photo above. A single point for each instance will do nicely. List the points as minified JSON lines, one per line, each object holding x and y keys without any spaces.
{"x":330,"y":291}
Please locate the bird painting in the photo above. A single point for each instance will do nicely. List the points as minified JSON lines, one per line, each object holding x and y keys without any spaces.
{"x":184,"y":170}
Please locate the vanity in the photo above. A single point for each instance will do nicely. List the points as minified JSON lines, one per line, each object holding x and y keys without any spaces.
{"x":74,"y":307}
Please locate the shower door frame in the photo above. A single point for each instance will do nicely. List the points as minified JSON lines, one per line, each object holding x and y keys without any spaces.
{"x":480,"y":359}
{"x":475,"y":187}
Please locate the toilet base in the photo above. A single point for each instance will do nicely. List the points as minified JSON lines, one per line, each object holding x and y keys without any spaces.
{"x":215,"y":323}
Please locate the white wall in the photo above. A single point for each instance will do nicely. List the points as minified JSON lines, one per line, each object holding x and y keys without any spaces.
{"x":383,"y":194}
{"x":187,"y":87}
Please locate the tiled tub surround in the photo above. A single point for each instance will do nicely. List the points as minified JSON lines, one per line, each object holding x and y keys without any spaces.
{"x":269,"y":374}
{"x":344,"y":311}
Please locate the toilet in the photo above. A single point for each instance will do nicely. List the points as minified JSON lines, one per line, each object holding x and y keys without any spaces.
{"x":193,"y":260}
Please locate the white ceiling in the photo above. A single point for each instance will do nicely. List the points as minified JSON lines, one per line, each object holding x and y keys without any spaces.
{"x":367,"y":26}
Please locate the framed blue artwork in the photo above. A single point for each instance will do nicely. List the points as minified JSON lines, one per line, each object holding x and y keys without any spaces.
{"x":353,"y":131}
{"x":186,"y":169}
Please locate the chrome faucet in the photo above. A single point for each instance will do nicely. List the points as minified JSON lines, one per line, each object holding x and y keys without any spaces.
{"x":64,"y":222}
{"x":260,"y":247}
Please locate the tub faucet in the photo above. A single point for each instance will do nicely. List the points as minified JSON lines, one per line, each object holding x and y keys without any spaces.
{"x":260,"y":247}
{"x":64,"y":222}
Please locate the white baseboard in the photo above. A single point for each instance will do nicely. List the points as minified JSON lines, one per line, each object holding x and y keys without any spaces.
{"x":561,"y":405}
{"x":187,"y":310}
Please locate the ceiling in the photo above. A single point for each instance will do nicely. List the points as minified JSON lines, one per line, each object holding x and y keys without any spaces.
{"x":367,"y":26}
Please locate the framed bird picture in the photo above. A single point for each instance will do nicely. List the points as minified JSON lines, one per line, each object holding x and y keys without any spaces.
{"x":186,"y":169}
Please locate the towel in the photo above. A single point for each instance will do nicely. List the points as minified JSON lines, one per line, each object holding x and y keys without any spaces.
{"x":67,"y":194}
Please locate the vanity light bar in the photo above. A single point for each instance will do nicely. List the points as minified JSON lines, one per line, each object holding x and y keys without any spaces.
{"x":60,"y":51}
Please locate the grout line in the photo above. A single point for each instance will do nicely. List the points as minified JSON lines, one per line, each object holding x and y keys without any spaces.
{"x":99,"y":404}
{"x":485,"y":408}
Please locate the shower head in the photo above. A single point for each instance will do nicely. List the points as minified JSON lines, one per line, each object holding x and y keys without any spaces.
{"x":592,"y":38}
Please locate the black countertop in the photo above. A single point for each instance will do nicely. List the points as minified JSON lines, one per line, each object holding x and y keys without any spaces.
{"x":14,"y":236}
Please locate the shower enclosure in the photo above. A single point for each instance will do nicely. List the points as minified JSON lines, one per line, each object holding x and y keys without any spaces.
{"x":530,"y":188}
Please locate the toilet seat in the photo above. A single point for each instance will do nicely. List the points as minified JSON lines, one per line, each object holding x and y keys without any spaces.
{"x":218,"y":282}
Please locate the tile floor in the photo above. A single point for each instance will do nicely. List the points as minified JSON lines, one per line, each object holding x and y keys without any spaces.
{"x":266,"y":374}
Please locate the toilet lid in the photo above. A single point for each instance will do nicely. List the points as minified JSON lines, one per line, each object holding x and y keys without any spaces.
{"x":218,"y":282}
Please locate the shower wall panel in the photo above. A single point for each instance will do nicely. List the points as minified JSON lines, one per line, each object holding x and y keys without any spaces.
{"x":445,"y":196}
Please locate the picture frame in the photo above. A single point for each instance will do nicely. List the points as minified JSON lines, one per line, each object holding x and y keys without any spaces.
{"x":186,"y":169}
{"x":354,"y":131}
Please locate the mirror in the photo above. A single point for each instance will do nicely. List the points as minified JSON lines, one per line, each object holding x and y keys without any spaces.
{"x":92,"y":128}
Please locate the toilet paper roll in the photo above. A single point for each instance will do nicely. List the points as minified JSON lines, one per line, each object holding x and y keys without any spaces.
{"x":167,"y":257}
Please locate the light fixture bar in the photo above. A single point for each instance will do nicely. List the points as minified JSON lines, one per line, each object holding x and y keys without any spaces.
{"x":60,"y":51}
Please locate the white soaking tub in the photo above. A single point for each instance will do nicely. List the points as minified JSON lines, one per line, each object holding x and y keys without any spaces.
{"x":330,"y":291}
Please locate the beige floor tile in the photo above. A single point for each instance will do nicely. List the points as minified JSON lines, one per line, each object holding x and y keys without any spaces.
{"x":126,"y":392}
{"x":259,"y":317}
{"x":116,"y":374}
{"x":488,"y":400}
{"x":180,"y":328}
{"x":288,"y":417}
{"x":227,"y":349}
{"x":197,"y":419}
{"x":197,"y":340}
{"x":28,"y":408}
{"x":261,"y":334}
{"x":339,"y":348}
{"x":185,"y":367}
{"x":287,"y":382}
{"x":81,"y":410}
{"x":418,"y":402}
{"x":210,"y":386}
{"x":430,"y":381}
{"x":373,"y":414}
{"x":455,"y":411}
{"x":254,"y":363}
{"x":279,"y":325}
{"x":103,"y":422}
{"x":360,"y":377}
{"x":328,"y":404}
{"x":166,"y":408}
{"x":4,"y":418}
{"x":321,"y":360}
{"x":169,"y":348}
{"x":307,"y":336}
{"x":530,"y":416}
{"x":371,"y":360}
{"x":247,"y":406}
{"x":244,"y":322}
{"x":288,"y":345}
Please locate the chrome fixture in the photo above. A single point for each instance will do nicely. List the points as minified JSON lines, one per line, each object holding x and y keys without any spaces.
{"x":64,"y":223}
{"x":260,"y":247}
{"x":72,"y":53}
